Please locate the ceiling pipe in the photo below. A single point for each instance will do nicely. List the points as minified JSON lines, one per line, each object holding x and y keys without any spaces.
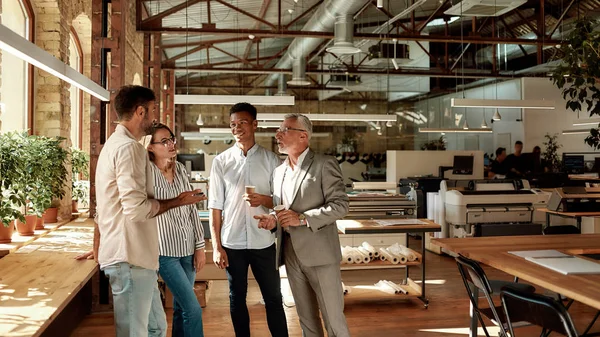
{"x":323,"y":20}
{"x":343,"y":43}
{"x":282,"y":87}
{"x":299,"y":73}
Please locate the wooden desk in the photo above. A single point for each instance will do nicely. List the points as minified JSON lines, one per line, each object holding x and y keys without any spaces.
{"x":40,"y":279}
{"x":576,"y":215}
{"x":19,"y":241}
{"x":494,"y":253}
{"x":372,"y":227}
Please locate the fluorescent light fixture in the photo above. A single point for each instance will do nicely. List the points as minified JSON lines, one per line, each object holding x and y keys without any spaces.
{"x":331,"y":117}
{"x":22,"y":48}
{"x":576,"y":132}
{"x":233,"y":99}
{"x":587,"y":122}
{"x":444,"y":130}
{"x":202,"y":135}
{"x":502,"y":103}
{"x":212,"y":131}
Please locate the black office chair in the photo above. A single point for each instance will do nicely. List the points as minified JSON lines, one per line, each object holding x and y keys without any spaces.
{"x":561,"y":230}
{"x":475,"y":280}
{"x":536,"y":309}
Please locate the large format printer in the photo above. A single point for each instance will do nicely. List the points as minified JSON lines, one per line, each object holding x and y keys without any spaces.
{"x":492,"y":208}
{"x":379,"y":200}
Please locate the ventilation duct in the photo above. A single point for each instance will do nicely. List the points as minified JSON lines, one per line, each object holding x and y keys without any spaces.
{"x":344,"y":36}
{"x":323,"y":20}
{"x":282,"y":87}
{"x":299,"y":73}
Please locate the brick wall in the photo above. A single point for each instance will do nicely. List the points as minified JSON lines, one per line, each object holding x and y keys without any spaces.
{"x":135,"y":46}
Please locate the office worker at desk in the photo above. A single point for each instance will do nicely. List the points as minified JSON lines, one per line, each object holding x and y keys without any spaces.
{"x":515,"y":162}
{"x":499,"y":164}
{"x":311,"y":188}
{"x":238,"y":243}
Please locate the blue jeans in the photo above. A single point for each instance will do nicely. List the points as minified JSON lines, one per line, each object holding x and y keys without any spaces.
{"x":179,"y":275}
{"x":136,"y":313}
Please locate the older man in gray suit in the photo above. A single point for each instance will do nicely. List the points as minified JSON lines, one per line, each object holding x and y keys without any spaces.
{"x":310,"y":187}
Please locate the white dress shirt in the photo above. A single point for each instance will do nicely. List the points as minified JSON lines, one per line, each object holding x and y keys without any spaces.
{"x":231,"y":172}
{"x":180,"y":230}
{"x":125,"y":208}
{"x":290,"y":179}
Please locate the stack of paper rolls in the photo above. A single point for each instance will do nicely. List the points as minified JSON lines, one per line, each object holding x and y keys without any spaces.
{"x":353,"y":255}
{"x":370,"y":249}
{"x":404,"y":251}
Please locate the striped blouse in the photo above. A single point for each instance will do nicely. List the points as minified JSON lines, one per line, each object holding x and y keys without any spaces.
{"x":180,"y":230}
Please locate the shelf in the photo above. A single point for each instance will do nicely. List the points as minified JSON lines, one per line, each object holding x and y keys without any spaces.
{"x":363,"y":292}
{"x":378,"y":264}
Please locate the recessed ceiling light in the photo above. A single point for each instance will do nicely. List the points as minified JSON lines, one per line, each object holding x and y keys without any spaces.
{"x":291,"y":10}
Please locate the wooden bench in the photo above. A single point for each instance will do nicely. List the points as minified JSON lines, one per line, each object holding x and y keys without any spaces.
{"x":42,"y":280}
{"x":19,"y":241}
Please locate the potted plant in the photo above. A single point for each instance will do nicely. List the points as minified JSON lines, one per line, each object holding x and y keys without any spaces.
{"x":550,"y":156}
{"x":55,"y":160}
{"x":578,"y":74}
{"x":11,"y":170}
{"x":435,"y":145}
{"x":80,"y":188}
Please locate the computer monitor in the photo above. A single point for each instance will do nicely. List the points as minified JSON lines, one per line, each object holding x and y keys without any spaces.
{"x":573,"y":163}
{"x":463,"y":165}
{"x":531,"y":162}
{"x":192,"y":161}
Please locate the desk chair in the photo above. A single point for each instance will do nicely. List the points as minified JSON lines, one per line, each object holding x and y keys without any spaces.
{"x":475,"y":280}
{"x":536,"y":309}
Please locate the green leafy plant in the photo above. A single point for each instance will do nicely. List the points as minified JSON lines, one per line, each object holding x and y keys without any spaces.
{"x":11,"y":171}
{"x":435,"y":145}
{"x":550,"y":154}
{"x":80,"y":162}
{"x":577,"y":75}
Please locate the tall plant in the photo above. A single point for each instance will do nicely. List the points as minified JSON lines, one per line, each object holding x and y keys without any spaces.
{"x":80,"y":161}
{"x":551,"y":152}
{"x":12,"y":199}
{"x":576,"y":75}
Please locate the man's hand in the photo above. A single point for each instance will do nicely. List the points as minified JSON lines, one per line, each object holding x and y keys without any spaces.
{"x":190,"y":197}
{"x":199,"y":259}
{"x":266,"y":221}
{"x":255,"y":199}
{"x":86,"y":256}
{"x":220,"y":258}
{"x":288,"y":218}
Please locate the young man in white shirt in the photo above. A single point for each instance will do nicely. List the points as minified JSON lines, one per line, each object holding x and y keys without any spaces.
{"x":238,"y":243}
{"x":126,"y":236}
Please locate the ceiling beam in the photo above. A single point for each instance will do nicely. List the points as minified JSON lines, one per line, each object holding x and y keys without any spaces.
{"x":560,"y":19}
{"x":250,"y":15}
{"x":156,"y":20}
{"x":308,"y":11}
{"x":329,"y":35}
{"x":205,"y":42}
{"x":261,"y":14}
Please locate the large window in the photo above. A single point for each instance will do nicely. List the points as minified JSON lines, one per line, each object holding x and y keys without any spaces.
{"x":75,"y":61}
{"x":14,"y":87}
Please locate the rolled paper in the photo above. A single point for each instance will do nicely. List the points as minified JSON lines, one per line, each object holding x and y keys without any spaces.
{"x":399,"y":290}
{"x":351,"y":255}
{"x":347,"y":256}
{"x":388,"y":256}
{"x":364,"y":254}
{"x":400,"y":250}
{"x":369,"y":248}
{"x":386,"y":288}
{"x":364,"y":251}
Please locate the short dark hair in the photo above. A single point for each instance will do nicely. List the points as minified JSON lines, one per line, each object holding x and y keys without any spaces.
{"x":499,"y":151}
{"x":518,"y":142}
{"x":129,"y":98}
{"x":536,"y":148}
{"x":240,"y":107}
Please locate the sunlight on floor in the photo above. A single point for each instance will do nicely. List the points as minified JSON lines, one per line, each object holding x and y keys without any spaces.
{"x":494,"y":330}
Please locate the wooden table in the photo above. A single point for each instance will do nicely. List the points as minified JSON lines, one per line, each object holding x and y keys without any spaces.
{"x":494,"y":253}
{"x":19,"y":241}
{"x":40,"y":279}
{"x":576,"y":215}
{"x":373,"y":227}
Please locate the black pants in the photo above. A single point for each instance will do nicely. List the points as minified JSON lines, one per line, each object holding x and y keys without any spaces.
{"x":262,"y":262}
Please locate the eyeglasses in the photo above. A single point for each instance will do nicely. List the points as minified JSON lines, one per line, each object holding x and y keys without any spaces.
{"x":167,"y":142}
{"x":286,"y":129}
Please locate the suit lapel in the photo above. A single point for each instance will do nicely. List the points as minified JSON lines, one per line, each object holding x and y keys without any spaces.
{"x":308,"y":160}
{"x":277,"y":183}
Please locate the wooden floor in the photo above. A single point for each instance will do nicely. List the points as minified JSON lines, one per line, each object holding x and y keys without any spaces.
{"x":447,"y":314}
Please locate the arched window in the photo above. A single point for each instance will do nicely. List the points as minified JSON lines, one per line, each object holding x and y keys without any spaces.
{"x":15,"y":94}
{"x":76,"y":62}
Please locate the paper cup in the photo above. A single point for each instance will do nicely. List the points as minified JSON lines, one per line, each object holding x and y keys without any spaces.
{"x":250,"y":189}
{"x":279,"y":208}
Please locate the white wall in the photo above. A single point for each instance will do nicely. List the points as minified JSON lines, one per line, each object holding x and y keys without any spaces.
{"x":539,"y":122}
{"x":402,"y":164}
{"x":441,"y":115}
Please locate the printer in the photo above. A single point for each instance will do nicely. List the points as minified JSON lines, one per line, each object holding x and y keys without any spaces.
{"x":575,"y":199}
{"x":492,"y":208}
{"x":379,"y":200}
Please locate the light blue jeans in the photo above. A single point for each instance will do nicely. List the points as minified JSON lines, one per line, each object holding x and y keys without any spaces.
{"x":136,"y":313}
{"x":179,"y":276}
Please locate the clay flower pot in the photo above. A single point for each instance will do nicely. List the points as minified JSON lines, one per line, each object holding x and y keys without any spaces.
{"x":74,"y":207}
{"x":6,"y":232}
{"x":39,"y":223}
{"x":51,"y":215}
{"x":27,"y":228}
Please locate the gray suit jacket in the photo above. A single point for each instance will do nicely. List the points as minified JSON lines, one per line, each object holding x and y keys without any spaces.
{"x":320,"y":195}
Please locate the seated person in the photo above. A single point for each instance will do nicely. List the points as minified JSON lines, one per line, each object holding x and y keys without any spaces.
{"x":515,"y":162}
{"x":499,"y":164}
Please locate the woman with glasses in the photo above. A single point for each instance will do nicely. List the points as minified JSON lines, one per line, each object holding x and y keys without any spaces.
{"x":181,"y":236}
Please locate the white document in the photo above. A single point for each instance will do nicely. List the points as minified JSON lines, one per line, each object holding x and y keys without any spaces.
{"x":538,"y":253}
{"x":567,"y":265}
{"x":396,"y":222}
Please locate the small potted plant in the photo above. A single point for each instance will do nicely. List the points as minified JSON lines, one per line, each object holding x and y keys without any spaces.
{"x":80,"y":188}
{"x":550,"y":157}
{"x":11,"y":170}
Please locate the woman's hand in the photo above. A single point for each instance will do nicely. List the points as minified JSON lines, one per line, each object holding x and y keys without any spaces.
{"x":199,"y":259}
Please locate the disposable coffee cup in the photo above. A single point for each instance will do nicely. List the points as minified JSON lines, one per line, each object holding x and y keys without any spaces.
{"x":279,"y":208}
{"x":250,"y":189}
